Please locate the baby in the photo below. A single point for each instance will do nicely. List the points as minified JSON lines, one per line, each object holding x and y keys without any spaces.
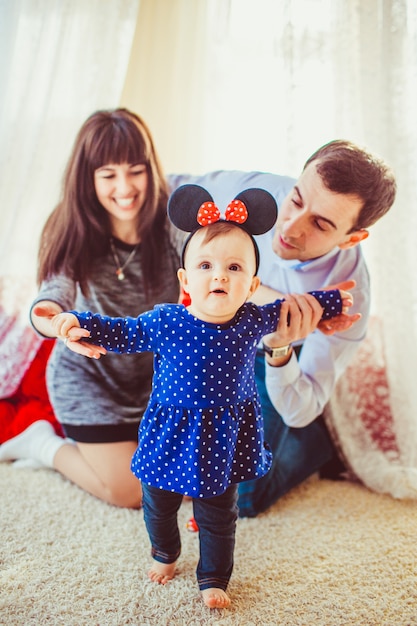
{"x":202,"y":432}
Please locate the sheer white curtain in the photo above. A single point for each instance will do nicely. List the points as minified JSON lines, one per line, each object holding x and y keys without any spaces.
{"x":61,"y":60}
{"x":166,"y":78}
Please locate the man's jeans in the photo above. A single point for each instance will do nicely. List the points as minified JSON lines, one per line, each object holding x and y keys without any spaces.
{"x":216,"y":519}
{"x":297,"y":454}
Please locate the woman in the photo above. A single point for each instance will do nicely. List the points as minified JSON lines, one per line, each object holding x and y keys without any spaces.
{"x":107,"y":247}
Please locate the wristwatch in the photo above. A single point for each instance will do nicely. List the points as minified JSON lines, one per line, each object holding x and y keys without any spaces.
{"x":276,"y":353}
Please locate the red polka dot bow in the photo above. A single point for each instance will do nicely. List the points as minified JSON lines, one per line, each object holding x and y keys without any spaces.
{"x":209,"y":213}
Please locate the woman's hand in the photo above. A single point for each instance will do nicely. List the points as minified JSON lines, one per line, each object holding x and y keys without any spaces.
{"x":75,"y":344}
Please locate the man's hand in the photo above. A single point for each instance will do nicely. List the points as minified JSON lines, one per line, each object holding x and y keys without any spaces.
{"x":304,"y":314}
{"x":338,"y":324}
{"x":299,"y":316}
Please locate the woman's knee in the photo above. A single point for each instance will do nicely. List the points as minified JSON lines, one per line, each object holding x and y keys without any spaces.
{"x":125,"y":494}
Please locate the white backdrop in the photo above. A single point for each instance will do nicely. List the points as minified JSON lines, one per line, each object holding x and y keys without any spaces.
{"x":61,"y":60}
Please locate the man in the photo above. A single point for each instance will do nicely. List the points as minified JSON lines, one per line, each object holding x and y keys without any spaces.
{"x":323,"y":217}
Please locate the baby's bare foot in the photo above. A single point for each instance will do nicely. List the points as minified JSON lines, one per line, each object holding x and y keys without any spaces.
{"x":215,"y":598}
{"x":161,"y":572}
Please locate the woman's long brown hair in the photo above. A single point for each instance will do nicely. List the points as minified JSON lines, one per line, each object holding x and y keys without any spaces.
{"x":78,"y":230}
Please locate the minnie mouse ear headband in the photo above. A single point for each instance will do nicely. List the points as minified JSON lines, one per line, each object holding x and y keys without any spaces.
{"x":191,"y":207}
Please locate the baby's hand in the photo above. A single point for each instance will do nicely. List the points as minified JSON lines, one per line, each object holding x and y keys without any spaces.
{"x":65,"y":326}
{"x":69,"y":330}
{"x":347,"y":300}
{"x":341,"y":322}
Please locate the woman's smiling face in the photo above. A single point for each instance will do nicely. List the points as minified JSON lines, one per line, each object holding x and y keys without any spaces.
{"x":121,"y":189}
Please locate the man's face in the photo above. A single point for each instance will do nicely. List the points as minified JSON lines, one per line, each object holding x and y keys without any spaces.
{"x":313,"y":220}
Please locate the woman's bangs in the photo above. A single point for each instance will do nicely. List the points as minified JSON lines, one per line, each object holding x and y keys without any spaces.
{"x":119,"y":144}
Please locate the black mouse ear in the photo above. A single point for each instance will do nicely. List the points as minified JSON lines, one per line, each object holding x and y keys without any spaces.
{"x":184,"y":205}
{"x":261,"y":208}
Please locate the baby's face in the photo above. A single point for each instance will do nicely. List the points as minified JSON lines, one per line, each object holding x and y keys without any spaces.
{"x":219,"y":274}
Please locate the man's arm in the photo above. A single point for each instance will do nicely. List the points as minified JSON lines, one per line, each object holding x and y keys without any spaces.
{"x":302,"y":319}
{"x":300,"y":388}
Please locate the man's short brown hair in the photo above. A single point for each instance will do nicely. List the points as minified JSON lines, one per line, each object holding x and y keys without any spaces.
{"x":347,"y":168}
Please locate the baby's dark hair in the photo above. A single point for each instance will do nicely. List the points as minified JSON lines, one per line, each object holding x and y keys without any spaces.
{"x":216,"y":229}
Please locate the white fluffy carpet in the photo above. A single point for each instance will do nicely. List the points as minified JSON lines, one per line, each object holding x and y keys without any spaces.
{"x":327,"y":554}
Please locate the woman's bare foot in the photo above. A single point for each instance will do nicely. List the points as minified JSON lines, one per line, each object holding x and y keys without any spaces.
{"x":215,"y":598}
{"x":161,"y":572}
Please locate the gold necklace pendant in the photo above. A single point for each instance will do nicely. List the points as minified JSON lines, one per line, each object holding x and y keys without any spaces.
{"x":119,"y":268}
{"x":120,"y":274}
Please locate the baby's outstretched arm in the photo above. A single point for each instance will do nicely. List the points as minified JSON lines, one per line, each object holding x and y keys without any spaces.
{"x":65,"y":326}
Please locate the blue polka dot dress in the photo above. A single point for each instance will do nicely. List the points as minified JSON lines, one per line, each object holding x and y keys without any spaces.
{"x":203,"y":428}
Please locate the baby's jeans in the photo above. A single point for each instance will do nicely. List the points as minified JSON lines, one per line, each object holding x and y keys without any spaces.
{"x":216,"y":519}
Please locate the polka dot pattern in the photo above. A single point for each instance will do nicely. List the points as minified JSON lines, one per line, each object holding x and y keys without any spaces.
{"x":236,"y":212}
{"x":207,"y":214}
{"x":203,"y":428}
{"x":330,"y":301}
